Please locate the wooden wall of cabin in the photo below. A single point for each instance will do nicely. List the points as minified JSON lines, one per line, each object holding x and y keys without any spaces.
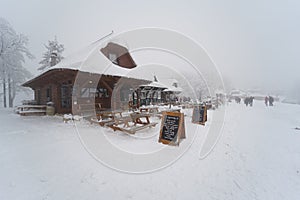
{"x":111,"y":92}
{"x":45,"y":94}
{"x":56,"y":80}
{"x":48,"y":88}
{"x":90,"y":90}
{"x":52,"y":93}
{"x":123,"y":92}
{"x":108,"y":83}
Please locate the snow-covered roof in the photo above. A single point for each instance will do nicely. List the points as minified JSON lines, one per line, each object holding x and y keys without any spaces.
{"x":91,"y":59}
{"x":167,"y":85}
{"x":173,"y":89}
{"x":172,"y":85}
{"x":155,"y":84}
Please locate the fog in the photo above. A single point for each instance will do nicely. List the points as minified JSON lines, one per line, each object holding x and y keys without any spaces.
{"x":255,"y":44}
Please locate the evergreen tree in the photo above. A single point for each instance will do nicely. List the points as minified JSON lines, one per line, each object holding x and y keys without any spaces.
{"x":53,"y":54}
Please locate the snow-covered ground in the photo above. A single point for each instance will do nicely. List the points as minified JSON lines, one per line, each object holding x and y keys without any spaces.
{"x":257,"y":157}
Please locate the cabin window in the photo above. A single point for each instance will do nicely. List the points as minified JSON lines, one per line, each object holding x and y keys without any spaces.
{"x":113,"y":58}
{"x":66,"y":96}
{"x":87,"y":92}
{"x":102,"y":93}
{"x":93,"y":92}
{"x":49,"y":94}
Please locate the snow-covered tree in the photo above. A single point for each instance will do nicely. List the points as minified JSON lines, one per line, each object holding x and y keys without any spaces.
{"x":53,"y":54}
{"x":13,"y":50}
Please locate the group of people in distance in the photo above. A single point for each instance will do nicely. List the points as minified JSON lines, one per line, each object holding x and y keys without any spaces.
{"x":269,"y":100}
{"x":249,"y":101}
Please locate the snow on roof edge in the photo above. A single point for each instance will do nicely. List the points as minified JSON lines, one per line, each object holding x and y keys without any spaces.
{"x":88,"y":54}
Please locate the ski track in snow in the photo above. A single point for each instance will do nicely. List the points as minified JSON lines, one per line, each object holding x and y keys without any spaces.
{"x":257,"y":157}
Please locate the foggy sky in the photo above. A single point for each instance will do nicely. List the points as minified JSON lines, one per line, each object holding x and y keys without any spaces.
{"x":255,"y":44}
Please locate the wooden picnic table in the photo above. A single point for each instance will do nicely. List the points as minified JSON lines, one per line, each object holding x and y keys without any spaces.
{"x":136,"y":118}
{"x":106,"y":117}
{"x":85,"y":107}
{"x":109,"y":114}
{"x":149,"y":109}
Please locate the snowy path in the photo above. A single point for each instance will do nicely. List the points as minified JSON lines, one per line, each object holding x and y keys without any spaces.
{"x":257,"y":157}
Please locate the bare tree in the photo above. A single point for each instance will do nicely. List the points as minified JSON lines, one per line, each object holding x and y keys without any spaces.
{"x":13,"y":50}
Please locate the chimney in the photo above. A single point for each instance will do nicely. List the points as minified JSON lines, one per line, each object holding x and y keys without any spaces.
{"x":53,"y":59}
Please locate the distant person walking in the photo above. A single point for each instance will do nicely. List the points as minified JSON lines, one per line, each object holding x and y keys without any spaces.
{"x":271,"y":100}
{"x":237,"y":99}
{"x":251,"y":101}
{"x":247,"y":101}
{"x":266,"y":100}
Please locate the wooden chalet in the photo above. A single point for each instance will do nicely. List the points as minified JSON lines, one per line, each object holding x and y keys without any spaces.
{"x":92,"y":79}
{"x":159,"y":93}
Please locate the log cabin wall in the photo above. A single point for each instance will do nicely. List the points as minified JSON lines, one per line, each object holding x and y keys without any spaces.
{"x":61,"y":90}
{"x":72,"y":91}
{"x":46,"y":93}
{"x":111,"y":92}
{"x":47,"y":88}
{"x":123,"y":91}
{"x":108,"y":83}
{"x":91,"y":89}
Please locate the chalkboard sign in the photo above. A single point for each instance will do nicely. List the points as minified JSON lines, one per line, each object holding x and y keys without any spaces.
{"x":172,"y":128}
{"x":199,"y":115}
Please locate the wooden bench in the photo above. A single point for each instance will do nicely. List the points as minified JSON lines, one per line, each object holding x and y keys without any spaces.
{"x":26,"y":110}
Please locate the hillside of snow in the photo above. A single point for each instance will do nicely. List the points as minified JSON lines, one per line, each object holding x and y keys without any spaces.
{"x":257,"y":157}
